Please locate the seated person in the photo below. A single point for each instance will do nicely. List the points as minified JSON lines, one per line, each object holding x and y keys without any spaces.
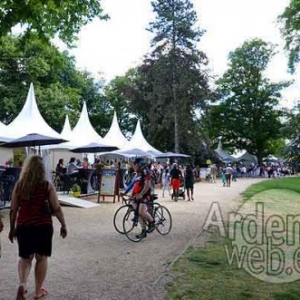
{"x":96,"y":162}
{"x":85,"y":164}
{"x":72,"y":167}
{"x":78,"y":163}
{"x":60,"y":168}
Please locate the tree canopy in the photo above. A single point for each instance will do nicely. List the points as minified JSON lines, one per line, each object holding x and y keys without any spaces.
{"x":59,"y":87}
{"x":290,"y":29}
{"x":171,"y":84}
{"x":49,"y":18}
{"x":248,"y":114}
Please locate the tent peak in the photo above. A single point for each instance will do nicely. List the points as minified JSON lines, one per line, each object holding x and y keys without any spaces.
{"x":114,"y":135}
{"x":30,"y":119}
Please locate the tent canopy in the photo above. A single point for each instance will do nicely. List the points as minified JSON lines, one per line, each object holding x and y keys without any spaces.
{"x":32,"y":140}
{"x":131,"y":152}
{"x":115,"y":136}
{"x":82,"y":134}
{"x":67,"y":131}
{"x":248,"y":158}
{"x":138,"y":141}
{"x":222,"y":155}
{"x":94,"y":148}
{"x":30,"y":120}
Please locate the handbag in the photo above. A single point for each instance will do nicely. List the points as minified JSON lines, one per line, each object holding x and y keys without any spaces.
{"x":48,"y":208}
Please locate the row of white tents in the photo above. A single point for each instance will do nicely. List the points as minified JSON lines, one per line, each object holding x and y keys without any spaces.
{"x":30,"y":121}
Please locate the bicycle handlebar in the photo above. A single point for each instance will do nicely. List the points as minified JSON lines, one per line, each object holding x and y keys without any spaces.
{"x":126,"y":199}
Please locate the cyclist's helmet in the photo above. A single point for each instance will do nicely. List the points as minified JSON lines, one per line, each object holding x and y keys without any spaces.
{"x":142,"y":162}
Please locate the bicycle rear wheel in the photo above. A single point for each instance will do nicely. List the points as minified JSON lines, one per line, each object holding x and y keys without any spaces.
{"x":163,"y":220}
{"x":131,"y":227}
{"x":118,"y":218}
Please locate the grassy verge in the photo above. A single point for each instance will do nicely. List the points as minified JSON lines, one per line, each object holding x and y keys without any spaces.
{"x":288,"y":183}
{"x":205,"y":273}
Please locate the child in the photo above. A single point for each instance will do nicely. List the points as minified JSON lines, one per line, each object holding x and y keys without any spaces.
{"x":166,"y":181}
{"x":223,"y":176}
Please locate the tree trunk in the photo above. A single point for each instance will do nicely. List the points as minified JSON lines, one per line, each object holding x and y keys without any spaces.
{"x":174,"y":85}
{"x":259,"y":158}
{"x":176,"y":137}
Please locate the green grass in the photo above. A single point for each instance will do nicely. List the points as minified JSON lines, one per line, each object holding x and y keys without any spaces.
{"x":204,"y":273}
{"x":288,"y":183}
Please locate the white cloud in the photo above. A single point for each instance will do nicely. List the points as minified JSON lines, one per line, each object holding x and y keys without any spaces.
{"x":114,"y":46}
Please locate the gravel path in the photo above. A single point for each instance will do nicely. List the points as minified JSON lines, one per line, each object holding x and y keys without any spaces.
{"x":94,"y":262}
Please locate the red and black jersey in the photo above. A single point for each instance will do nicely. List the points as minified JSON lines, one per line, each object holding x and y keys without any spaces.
{"x":32,"y":211}
{"x":140,"y":181}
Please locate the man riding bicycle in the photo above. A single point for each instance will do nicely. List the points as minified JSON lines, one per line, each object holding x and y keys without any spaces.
{"x":141,"y":193}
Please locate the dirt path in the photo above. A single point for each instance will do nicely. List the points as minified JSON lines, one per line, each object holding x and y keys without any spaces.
{"x":95,"y":262}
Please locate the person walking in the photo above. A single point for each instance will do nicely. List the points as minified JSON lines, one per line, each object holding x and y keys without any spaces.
{"x":214,"y":172}
{"x":34,"y":200}
{"x":229,"y":172}
{"x":166,"y":182}
{"x":223,"y":177}
{"x":175,"y":175}
{"x":189,"y":182}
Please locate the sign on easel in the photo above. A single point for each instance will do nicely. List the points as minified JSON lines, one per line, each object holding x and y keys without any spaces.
{"x":109,"y":184}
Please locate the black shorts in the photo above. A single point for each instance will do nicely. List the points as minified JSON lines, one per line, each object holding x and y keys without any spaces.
{"x":35,"y":240}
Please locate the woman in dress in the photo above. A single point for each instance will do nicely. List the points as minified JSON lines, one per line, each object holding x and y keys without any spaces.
{"x":31,"y":223}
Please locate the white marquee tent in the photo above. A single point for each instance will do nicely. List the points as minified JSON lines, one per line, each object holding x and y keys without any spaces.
{"x":115,"y":136}
{"x":138,"y":141}
{"x":82,"y":134}
{"x":5,"y":153}
{"x":61,"y":152}
{"x":30,"y":120}
{"x":66,"y":133}
{"x":5,"y":134}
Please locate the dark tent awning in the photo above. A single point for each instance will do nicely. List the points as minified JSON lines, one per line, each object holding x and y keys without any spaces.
{"x":248,"y":158}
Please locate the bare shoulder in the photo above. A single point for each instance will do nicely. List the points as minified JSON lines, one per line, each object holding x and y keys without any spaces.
{"x":50,"y":186}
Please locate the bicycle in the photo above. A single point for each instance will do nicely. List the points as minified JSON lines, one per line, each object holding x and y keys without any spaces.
{"x":132,"y":228}
{"x":122,"y":210}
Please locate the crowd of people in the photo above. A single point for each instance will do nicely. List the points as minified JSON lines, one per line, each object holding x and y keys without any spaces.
{"x":171,"y":177}
{"x":272,"y":170}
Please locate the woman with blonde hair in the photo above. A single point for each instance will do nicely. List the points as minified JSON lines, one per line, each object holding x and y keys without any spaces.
{"x":31,"y":223}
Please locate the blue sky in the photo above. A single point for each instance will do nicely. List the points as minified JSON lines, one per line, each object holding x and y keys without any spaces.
{"x":108,"y":49}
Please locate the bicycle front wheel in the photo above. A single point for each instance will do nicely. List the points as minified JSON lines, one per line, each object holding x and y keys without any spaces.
{"x":118,"y":218}
{"x":163,"y":220}
{"x":131,"y":226}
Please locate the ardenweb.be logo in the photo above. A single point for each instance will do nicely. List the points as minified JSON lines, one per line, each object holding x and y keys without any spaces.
{"x":265,"y":246}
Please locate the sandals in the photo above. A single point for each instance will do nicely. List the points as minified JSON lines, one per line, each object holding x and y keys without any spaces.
{"x":21,"y":294}
{"x":42,"y":294}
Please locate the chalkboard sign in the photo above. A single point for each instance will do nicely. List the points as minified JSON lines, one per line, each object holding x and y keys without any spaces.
{"x":109,"y":184}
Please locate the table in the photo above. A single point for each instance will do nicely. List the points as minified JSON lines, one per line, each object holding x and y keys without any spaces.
{"x":87,"y":181}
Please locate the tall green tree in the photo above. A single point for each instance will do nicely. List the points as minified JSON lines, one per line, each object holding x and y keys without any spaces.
{"x":248,"y":115}
{"x":118,"y":93}
{"x":172,"y":80}
{"x":291,"y":132}
{"x":59,"y":87}
{"x":290,"y":29}
{"x":49,"y":18}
